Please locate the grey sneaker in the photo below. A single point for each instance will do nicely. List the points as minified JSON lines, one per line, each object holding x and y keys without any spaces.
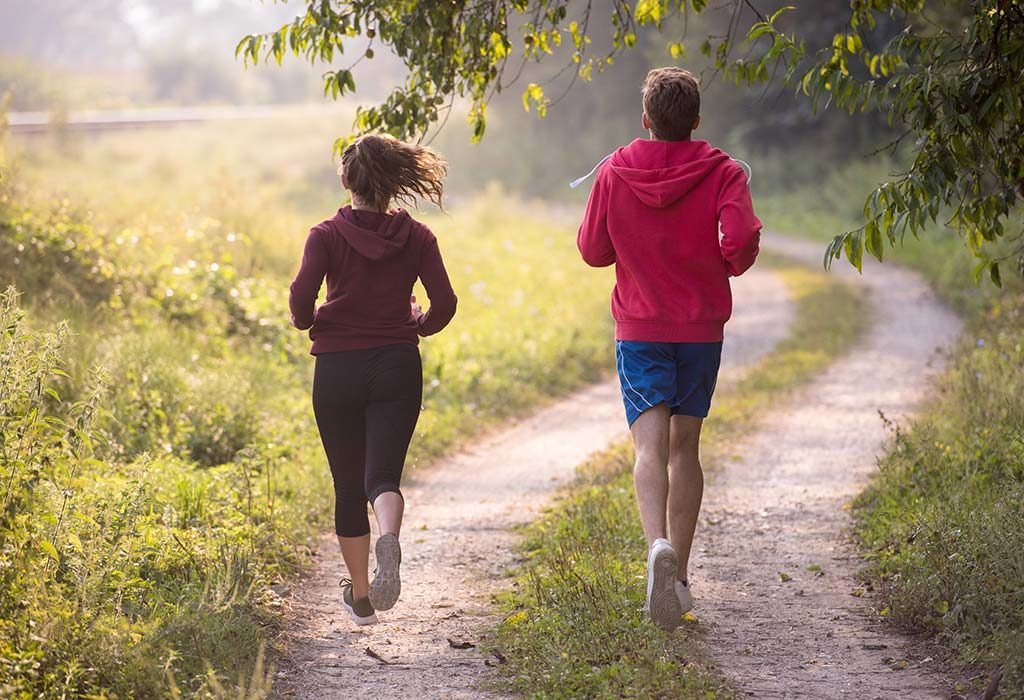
{"x":361,"y":611}
{"x":662,"y":602}
{"x":386,"y":585}
{"x":685,"y":596}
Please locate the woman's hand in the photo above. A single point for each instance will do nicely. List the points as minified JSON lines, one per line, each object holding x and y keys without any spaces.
{"x":415,"y":309}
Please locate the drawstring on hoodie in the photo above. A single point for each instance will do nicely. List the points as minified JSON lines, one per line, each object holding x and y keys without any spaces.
{"x":580,"y":180}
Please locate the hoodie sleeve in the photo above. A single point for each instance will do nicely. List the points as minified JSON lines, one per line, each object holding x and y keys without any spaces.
{"x":741,"y":230}
{"x":306,"y":285}
{"x":593,"y":240}
{"x":439,"y":290}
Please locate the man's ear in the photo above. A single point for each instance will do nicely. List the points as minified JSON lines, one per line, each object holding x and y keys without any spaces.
{"x":696,"y":123}
{"x":645,"y":121}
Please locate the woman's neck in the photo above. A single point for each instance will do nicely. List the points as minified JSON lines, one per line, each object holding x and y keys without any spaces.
{"x":360,"y":205}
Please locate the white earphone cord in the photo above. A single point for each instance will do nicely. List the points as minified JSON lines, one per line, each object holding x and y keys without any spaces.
{"x":580,"y":180}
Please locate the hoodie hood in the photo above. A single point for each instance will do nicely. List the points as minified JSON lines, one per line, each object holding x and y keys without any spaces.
{"x":374,"y":235}
{"x":660,"y":172}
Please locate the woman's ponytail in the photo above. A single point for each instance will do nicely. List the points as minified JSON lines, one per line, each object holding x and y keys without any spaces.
{"x":380,"y":168}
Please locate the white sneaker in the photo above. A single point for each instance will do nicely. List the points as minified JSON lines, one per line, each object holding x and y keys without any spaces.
{"x":685,"y":597}
{"x":662,"y":602}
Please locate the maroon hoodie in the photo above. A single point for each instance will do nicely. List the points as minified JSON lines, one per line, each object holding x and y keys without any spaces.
{"x":371,"y":261}
{"x":675,"y":218}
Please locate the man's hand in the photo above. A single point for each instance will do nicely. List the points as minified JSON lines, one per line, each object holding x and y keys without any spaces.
{"x":415,"y":309}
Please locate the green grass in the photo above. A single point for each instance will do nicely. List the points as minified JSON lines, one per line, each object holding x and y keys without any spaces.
{"x":149,"y":508}
{"x":573,"y":625}
{"x":942,"y":523}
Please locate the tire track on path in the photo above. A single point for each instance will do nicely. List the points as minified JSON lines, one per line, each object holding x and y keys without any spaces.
{"x":780,"y":508}
{"x":457,"y":538}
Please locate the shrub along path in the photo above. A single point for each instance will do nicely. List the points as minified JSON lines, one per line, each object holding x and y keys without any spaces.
{"x":775,"y":580}
{"x":457,"y":539}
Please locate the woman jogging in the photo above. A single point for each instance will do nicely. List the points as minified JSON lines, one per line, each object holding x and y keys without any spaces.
{"x":368,"y":381}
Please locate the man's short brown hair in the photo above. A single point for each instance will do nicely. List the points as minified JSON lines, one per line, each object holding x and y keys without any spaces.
{"x":672,"y":102}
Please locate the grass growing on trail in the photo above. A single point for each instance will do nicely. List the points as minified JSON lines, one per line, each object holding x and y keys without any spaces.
{"x":573,"y":624}
{"x":148,"y":511}
{"x":943,"y":521}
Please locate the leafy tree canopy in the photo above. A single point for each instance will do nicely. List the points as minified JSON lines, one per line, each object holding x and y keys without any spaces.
{"x":946,"y":72}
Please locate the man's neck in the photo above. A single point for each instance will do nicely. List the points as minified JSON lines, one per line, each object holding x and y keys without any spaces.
{"x":652,"y":137}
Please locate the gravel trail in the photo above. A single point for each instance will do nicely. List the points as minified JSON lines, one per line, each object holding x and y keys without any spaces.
{"x":781,"y":511}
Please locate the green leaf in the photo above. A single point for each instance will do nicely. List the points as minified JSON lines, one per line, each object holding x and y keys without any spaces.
{"x":854,"y":247}
{"x":759,"y":30}
{"x":50,"y":550}
{"x":246,"y":40}
{"x":993,"y":273}
{"x":873,"y":240}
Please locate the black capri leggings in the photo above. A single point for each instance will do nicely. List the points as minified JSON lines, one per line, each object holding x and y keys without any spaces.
{"x":366,"y":404}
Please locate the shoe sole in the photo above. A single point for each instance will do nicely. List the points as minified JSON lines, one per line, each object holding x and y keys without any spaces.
{"x":359,"y":619}
{"x":387,"y":584}
{"x":662,"y":601}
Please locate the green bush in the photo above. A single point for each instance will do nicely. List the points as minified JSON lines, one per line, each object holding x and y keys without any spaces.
{"x":172,"y":396}
{"x":131,"y":578}
{"x":54,"y":259}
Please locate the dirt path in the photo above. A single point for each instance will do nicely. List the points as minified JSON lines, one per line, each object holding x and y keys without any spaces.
{"x":457,"y":541}
{"x":781,"y":509}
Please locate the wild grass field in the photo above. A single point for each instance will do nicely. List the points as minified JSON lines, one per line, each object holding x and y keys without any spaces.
{"x":942,"y":524}
{"x":159,"y":466}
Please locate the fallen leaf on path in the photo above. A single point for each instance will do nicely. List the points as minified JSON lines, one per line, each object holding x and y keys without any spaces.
{"x":874,"y":647}
{"x":460,"y":645}
{"x":374,"y":655}
{"x":784,"y":577}
{"x":857,"y":592}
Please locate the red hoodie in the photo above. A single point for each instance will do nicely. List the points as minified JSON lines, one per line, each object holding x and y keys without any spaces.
{"x":655,"y":212}
{"x":371,"y":261}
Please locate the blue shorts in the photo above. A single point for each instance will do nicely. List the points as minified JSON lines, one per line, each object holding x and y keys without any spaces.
{"x":680,"y":375}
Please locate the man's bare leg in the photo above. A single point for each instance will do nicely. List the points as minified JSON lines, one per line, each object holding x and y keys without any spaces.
{"x":650,"y":473}
{"x":650,"y":477}
{"x":686,"y":486}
